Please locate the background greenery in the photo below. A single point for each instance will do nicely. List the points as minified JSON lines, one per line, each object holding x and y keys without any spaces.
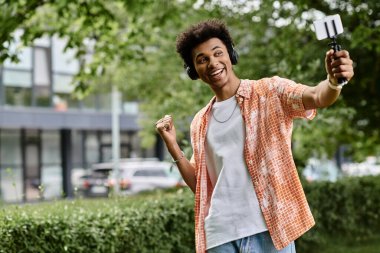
{"x":133,"y":46}
{"x":346,"y":213}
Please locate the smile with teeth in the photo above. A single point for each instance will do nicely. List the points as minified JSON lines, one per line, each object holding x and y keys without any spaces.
{"x":217,"y":72}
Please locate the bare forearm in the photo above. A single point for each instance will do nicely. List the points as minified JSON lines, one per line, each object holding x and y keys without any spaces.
{"x":186,"y":169}
{"x":326,"y":95}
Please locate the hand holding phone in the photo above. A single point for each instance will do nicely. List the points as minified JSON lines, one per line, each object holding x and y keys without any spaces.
{"x":330,"y":27}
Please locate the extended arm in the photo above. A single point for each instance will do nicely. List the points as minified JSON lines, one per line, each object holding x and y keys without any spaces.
{"x":338,"y":65}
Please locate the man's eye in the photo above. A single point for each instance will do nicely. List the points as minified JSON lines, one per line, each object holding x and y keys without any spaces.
{"x":202,"y":60}
{"x":219,"y":53}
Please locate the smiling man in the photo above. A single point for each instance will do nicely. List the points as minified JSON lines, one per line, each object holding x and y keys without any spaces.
{"x":248,"y":196}
{"x":213,"y":65}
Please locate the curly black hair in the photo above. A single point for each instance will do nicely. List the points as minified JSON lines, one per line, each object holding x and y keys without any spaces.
{"x":199,"y":33}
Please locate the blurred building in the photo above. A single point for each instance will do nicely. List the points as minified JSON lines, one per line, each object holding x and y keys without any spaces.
{"x":46,"y":136}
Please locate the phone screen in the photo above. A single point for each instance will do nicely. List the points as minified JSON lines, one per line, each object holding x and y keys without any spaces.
{"x":328,"y":27}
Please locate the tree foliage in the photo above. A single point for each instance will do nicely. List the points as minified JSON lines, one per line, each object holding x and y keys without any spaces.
{"x":133,"y":46}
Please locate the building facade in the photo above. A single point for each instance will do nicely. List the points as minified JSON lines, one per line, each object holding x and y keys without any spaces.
{"x":47,"y":138}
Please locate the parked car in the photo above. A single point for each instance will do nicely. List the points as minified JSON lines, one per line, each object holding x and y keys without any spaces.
{"x":78,"y":177}
{"x":370,"y":166}
{"x":95,"y":183}
{"x":321,"y":170}
{"x":134,"y":175}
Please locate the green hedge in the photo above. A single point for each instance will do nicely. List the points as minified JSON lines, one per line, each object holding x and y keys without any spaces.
{"x":347,"y":210}
{"x":157,"y":223}
{"x":163,"y":222}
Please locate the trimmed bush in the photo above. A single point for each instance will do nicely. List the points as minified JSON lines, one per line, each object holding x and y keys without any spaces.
{"x":347,"y":210}
{"x":157,"y":223}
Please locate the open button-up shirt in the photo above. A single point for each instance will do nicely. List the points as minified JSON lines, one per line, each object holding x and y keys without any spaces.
{"x":268,"y":107}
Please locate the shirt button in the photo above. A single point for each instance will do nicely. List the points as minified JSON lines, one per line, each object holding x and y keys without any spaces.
{"x":250,"y":162}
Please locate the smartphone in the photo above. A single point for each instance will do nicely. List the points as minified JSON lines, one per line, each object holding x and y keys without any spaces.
{"x":328,"y":27}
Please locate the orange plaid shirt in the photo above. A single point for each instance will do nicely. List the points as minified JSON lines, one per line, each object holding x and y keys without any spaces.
{"x":268,"y":107}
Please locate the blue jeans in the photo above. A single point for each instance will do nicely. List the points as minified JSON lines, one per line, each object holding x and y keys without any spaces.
{"x":258,"y":243}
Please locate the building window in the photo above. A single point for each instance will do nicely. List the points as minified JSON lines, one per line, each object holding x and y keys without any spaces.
{"x":18,"y":96}
{"x":17,"y":80}
{"x":104,"y":102}
{"x":41,"y":71}
{"x":64,"y":66}
{"x":91,"y":148}
{"x":11,"y":176}
{"x":89,"y":102}
{"x":51,"y":169}
{"x":131,"y":107}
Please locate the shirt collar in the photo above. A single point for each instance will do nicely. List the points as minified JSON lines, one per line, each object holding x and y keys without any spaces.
{"x":244,"y":89}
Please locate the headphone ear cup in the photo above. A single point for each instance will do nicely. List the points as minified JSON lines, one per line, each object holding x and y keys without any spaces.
{"x":234,"y":56}
{"x":191,"y":72}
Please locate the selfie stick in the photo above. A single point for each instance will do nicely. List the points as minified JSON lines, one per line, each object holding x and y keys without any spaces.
{"x":335,"y":46}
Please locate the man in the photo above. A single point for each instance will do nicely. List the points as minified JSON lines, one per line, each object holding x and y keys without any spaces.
{"x":248,"y":197}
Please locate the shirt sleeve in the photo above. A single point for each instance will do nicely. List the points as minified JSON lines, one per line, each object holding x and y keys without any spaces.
{"x":290,"y":94}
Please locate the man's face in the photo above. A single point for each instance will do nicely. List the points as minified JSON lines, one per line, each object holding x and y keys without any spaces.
{"x":212,"y":62}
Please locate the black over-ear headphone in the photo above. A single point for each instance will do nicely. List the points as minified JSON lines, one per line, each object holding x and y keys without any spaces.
{"x":234,"y":57}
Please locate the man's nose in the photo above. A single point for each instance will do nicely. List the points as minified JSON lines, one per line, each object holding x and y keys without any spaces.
{"x":213,"y":63}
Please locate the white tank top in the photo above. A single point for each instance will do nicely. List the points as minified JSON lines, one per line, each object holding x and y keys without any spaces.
{"x":234,"y":211}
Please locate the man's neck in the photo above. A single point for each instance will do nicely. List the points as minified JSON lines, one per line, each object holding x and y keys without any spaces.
{"x":228,"y":90}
